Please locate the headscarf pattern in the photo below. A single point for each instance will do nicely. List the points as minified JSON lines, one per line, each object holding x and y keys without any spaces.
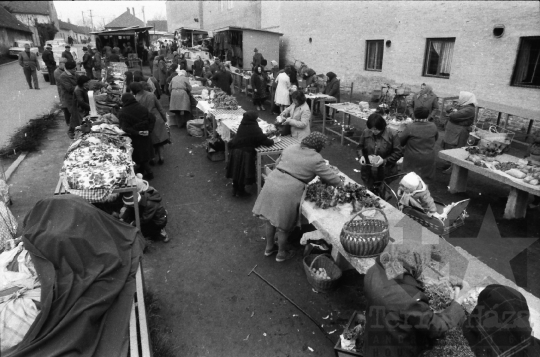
{"x":466,"y":98}
{"x":315,"y":140}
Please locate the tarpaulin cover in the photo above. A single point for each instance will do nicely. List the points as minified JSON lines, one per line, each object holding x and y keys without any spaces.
{"x":86,"y":261}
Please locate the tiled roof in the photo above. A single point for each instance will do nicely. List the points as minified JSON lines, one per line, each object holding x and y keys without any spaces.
{"x":9,"y":21}
{"x":125,"y":20}
{"x":159,"y":25}
{"x":74,"y":28}
{"x":27,"y":7}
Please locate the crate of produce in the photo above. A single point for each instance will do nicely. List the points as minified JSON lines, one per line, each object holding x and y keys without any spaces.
{"x":321,"y":271}
{"x":355,"y":329}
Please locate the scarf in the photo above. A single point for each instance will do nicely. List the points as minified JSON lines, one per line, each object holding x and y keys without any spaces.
{"x":466,"y":98}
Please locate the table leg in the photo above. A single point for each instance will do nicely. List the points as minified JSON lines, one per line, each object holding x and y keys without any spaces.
{"x":458,"y":180}
{"x":259,"y":173}
{"x":205,"y":122}
{"x":311,"y":109}
{"x":323,"y":119}
{"x":516,"y":206}
{"x":342,"y":124}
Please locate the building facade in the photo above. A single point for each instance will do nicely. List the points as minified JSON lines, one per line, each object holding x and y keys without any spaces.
{"x":11,"y":30}
{"x":79,"y":34}
{"x":32,"y":12}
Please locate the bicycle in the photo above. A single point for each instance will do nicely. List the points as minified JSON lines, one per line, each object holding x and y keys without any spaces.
{"x":398,"y":102}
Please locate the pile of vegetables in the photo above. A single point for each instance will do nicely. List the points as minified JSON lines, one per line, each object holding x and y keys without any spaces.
{"x":224,"y":101}
{"x":326,"y":196}
{"x":320,"y":273}
{"x":528,"y":173}
{"x":491,"y":150}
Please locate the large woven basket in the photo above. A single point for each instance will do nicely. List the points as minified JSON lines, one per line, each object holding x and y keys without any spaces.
{"x":365,"y":237}
{"x":332,"y":270}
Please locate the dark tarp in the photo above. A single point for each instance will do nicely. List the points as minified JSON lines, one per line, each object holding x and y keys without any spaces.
{"x":86,"y":261}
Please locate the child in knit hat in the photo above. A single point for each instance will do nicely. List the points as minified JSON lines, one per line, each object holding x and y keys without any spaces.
{"x":414,"y":192}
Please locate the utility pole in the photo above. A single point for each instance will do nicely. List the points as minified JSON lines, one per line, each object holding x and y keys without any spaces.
{"x":92,"y":20}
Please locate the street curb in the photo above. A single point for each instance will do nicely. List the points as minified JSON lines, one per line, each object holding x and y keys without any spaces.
{"x":15,"y":164}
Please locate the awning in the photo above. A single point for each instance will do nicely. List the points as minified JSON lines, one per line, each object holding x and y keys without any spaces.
{"x":234,"y":28}
{"x":124,"y":31}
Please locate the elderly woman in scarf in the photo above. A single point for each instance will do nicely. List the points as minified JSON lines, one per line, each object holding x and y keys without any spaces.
{"x":180,"y":89}
{"x":161,"y":72}
{"x":138,"y":123}
{"x":459,"y":123}
{"x":399,"y":320}
{"x":258,"y":83}
{"x":160,"y":135}
{"x":425,"y":99}
{"x":281,"y":196}
{"x":241,"y":165}
{"x":499,"y":324}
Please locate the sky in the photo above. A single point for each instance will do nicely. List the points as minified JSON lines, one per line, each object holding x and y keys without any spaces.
{"x":106,"y":11}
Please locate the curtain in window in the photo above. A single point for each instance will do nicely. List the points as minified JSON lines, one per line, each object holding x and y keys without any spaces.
{"x":378,"y":54}
{"x":523,"y":63}
{"x":372,"y":55}
{"x":436,"y":46}
{"x":446,"y":60}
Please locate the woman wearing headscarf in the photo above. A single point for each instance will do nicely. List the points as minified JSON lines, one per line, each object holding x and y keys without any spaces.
{"x":382,"y":148}
{"x":160,"y":135}
{"x":282,"y":97}
{"x":332,"y":89}
{"x":258,"y":83}
{"x":180,"y":101}
{"x":500,"y":325}
{"x":198,"y":66}
{"x":162,"y":72}
{"x":425,"y":99}
{"x":138,"y":123}
{"x":242,"y":156}
{"x":399,"y":320}
{"x":458,"y":126}
{"x":298,"y":116}
{"x":418,"y":141}
{"x":280,"y":199}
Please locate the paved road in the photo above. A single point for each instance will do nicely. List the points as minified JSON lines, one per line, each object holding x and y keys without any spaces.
{"x":18,"y":103}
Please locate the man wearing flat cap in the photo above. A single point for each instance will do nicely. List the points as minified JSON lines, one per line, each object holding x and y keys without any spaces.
{"x":48,"y":58}
{"x":67,"y":54}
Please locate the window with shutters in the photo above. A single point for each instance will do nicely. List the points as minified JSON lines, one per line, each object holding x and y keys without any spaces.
{"x":527,"y":68}
{"x":374,"y":55}
{"x":438,"y":58}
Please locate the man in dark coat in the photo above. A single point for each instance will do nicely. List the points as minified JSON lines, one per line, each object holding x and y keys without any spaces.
{"x":257,"y":58}
{"x":67,"y":53}
{"x":30,"y":65}
{"x":399,"y":321}
{"x":215,"y":66}
{"x":68,"y":82}
{"x":223,"y":80}
{"x":57,"y":73}
{"x":97,"y":64}
{"x":48,"y":58}
{"x":88,"y":62}
{"x":138,"y":123}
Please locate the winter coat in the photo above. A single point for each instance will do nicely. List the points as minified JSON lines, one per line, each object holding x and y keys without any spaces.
{"x":223,"y":80}
{"x":282,"y":91}
{"x":258,"y":83}
{"x":398,"y":315}
{"x":159,"y":135}
{"x":180,"y":89}
{"x":68,"y":55}
{"x":97,"y":61}
{"x":214,"y":67}
{"x":311,"y":78}
{"x":332,"y":88}
{"x":419,"y":198}
{"x":81,"y":98}
{"x":418,"y":141}
{"x":28,"y":60}
{"x":198,"y":66}
{"x":68,"y":82}
{"x":431,"y":102}
{"x":154,"y":85}
{"x":88,"y":61}
{"x":257,"y":59}
{"x":151,"y":210}
{"x":48,"y":58}
{"x":299,"y":120}
{"x":134,"y":118}
{"x":57,"y":73}
{"x":182,"y":63}
{"x":458,"y":126}
{"x":161,"y":73}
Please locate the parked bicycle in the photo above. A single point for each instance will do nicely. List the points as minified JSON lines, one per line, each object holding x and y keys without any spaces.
{"x":396,"y":102}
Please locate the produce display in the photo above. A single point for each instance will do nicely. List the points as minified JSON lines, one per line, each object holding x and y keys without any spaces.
{"x":320,"y":273}
{"x":490,"y":150}
{"x":326,"y":196}
{"x":223,"y":101}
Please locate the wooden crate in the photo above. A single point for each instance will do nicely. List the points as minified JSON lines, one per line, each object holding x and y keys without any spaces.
{"x":340,"y":352}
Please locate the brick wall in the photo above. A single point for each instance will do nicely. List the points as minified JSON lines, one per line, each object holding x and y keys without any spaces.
{"x":481,"y":63}
{"x":181,"y":14}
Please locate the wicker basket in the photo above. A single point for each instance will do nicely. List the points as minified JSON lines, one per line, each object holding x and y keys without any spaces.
{"x":365,"y":237}
{"x":322,"y":261}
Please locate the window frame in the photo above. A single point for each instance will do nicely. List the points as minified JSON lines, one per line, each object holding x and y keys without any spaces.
{"x":426,"y":53}
{"x":516,"y":63}
{"x":367,"y":55}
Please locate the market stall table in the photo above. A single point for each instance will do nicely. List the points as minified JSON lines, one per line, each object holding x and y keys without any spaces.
{"x":319,"y":98}
{"x":269,"y":151}
{"x":516,"y":206}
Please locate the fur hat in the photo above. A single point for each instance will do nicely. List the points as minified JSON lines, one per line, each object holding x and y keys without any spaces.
{"x":410,"y":181}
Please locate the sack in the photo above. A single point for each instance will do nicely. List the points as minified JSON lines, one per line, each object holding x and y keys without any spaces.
{"x":8,"y":225}
{"x":195,"y":127}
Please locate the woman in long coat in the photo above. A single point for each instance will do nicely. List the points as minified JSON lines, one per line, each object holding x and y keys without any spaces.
{"x":425,"y":99}
{"x":282,"y":90}
{"x":198,"y":66}
{"x":280,"y":199}
{"x":162,"y":72}
{"x":258,"y":83}
{"x":180,"y":101}
{"x":458,"y":126}
{"x":160,"y":135}
{"x":242,"y":156}
{"x":138,"y":123}
{"x":418,"y":140}
{"x":298,"y":116}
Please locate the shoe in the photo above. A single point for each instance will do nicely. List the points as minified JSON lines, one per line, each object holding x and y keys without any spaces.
{"x":161,"y":161}
{"x":286,"y":255}
{"x":274,"y":249}
{"x":149,"y":176}
{"x":165,"y":236}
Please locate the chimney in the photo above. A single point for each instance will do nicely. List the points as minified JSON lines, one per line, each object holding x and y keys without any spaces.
{"x":144,"y":16}
{"x":128,"y":10}
{"x":133,"y":9}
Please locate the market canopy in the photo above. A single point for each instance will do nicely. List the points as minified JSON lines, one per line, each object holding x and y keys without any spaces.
{"x":235,"y":28}
{"x":123,"y":31}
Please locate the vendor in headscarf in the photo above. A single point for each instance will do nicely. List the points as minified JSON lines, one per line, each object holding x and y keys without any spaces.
{"x":180,"y":101}
{"x":280,"y":199}
{"x":459,"y":123}
{"x":382,"y":148}
{"x":259,"y":79}
{"x":425,"y":99}
{"x":418,"y":141}
{"x":499,"y":325}
{"x":242,"y":155}
{"x":138,"y":123}
{"x":399,"y":320}
{"x":332,"y":89}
